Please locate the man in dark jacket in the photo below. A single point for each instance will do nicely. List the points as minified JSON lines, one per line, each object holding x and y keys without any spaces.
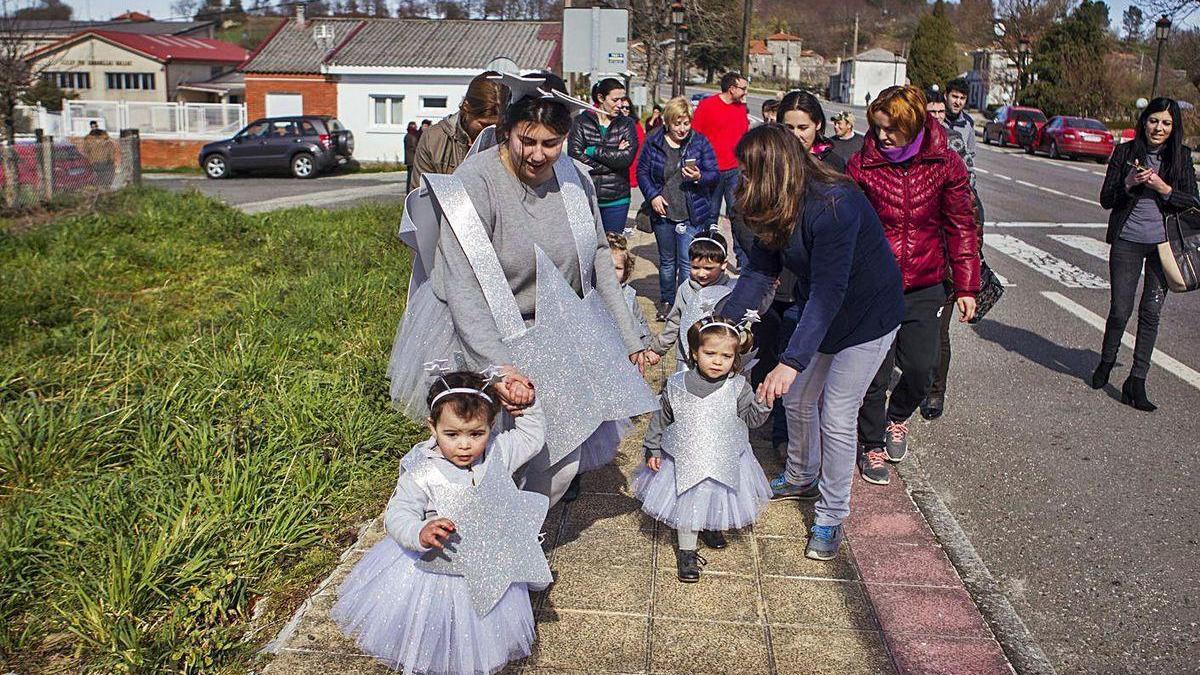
{"x":607,"y":143}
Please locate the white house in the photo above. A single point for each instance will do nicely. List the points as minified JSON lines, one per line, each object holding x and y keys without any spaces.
{"x":866,"y":75}
{"x":377,"y":75}
{"x":992,"y":79}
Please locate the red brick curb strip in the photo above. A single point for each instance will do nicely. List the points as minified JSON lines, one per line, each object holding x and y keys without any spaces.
{"x":929,"y":621}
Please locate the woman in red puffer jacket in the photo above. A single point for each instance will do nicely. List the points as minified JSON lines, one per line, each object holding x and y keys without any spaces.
{"x":921,"y":190}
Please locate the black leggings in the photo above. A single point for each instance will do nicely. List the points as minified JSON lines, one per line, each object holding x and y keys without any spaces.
{"x":1125,"y":263}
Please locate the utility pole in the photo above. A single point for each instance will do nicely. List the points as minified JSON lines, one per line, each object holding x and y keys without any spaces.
{"x":747,"y":7}
{"x":854,"y":54}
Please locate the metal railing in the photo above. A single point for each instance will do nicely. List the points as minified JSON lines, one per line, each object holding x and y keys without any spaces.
{"x":162,"y":120}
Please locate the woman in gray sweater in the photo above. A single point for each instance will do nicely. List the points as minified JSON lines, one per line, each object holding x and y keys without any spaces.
{"x":510,"y":215}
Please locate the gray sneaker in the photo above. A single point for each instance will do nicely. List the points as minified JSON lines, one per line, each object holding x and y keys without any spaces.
{"x":782,"y":489}
{"x":872,"y":464}
{"x":824,"y":542}
{"x":897,"y":441}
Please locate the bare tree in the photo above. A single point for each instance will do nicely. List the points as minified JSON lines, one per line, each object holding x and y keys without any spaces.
{"x":1024,"y":21}
{"x":16,"y":73}
{"x":650,"y":21}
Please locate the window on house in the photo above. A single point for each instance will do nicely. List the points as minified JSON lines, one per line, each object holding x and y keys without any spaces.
{"x":434,"y":102}
{"x":69,"y":80}
{"x":143,"y":81}
{"x":388,"y":111}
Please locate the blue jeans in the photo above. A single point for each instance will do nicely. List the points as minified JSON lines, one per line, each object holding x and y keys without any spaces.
{"x":614,"y":217}
{"x":674,"y":265}
{"x":742,"y":239}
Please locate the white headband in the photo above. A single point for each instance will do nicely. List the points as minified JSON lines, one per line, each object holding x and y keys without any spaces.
{"x":719,"y":244}
{"x":459,"y":390}
{"x":714,"y":324}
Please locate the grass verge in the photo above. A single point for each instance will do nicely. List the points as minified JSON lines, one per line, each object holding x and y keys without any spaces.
{"x":193,"y":409}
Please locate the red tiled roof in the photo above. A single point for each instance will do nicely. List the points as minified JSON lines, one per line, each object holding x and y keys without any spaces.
{"x":759,"y":48}
{"x":779,"y":37}
{"x":164,"y":48}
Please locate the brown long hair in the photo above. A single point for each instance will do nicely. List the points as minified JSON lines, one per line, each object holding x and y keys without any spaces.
{"x":776,"y":170}
{"x":484,"y":97}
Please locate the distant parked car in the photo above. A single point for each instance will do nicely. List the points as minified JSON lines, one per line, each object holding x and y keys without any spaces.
{"x":1074,"y":137}
{"x":696,"y":98}
{"x":71,"y":169}
{"x":1012,"y":125}
{"x":304,"y":145}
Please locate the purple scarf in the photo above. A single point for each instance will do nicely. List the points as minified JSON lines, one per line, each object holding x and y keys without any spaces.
{"x":904,"y":153}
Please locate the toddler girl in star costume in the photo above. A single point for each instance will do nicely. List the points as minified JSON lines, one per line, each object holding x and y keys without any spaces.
{"x":419,"y":621}
{"x":708,"y":282}
{"x":700,"y":474}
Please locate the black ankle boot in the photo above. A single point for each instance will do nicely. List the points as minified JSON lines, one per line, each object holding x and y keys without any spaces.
{"x":1133,"y":393}
{"x":687,"y":566}
{"x":713,"y":539}
{"x":572,"y":492}
{"x":1100,"y":376}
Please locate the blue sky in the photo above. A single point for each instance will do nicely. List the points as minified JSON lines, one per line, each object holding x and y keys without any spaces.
{"x":161,"y":9}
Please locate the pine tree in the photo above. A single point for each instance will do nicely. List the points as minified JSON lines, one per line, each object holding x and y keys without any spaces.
{"x":931,"y":59}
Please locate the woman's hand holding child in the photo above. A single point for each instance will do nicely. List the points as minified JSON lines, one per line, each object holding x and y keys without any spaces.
{"x":654,"y":463}
{"x":516,"y":391}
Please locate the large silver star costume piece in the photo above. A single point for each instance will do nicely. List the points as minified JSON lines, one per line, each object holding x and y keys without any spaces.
{"x":497,"y":528}
{"x":576,"y":358}
{"x":705,"y":436}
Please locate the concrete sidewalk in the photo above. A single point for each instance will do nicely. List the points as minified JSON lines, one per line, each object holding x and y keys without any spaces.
{"x":890,"y":603}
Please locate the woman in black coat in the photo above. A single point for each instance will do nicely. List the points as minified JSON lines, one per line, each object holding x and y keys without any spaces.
{"x":1148,"y":178}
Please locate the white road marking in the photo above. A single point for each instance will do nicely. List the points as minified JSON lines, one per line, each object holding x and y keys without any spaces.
{"x":1044,"y":263}
{"x":1096,"y":321}
{"x":1089,"y":245}
{"x":322,"y":198}
{"x":1003,"y":280}
{"x":1042,"y":225}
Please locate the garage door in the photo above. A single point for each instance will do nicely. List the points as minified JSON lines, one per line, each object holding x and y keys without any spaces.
{"x":282,"y":105}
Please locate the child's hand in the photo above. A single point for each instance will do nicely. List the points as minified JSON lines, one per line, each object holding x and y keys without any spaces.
{"x":654,"y":463}
{"x":435,"y":533}
{"x":776,"y":384}
{"x":652,"y":357}
{"x":516,"y":391}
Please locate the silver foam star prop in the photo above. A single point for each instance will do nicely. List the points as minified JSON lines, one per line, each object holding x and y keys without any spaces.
{"x":750,"y":318}
{"x":575,"y":356}
{"x":700,"y":438}
{"x":497,"y":543}
{"x":492,"y":375}
{"x":521,"y":86}
{"x":437,"y":367}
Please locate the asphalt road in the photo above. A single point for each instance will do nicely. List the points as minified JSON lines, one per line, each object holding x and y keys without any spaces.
{"x":259,"y":193}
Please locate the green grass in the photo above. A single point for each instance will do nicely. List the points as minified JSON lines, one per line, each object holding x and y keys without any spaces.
{"x":193,"y":410}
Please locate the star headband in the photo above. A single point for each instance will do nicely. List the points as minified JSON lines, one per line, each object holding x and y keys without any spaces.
{"x":714,"y":241}
{"x":441,"y":367}
{"x":750,"y":318}
{"x":520,"y":87}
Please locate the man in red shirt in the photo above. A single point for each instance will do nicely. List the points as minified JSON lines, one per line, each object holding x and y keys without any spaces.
{"x":723,"y":120}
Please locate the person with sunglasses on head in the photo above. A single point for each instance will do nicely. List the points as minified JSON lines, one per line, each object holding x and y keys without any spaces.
{"x":845,"y":141}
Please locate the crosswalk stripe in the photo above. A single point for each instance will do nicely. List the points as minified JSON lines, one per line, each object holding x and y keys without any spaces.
{"x":1090,"y":246}
{"x":1096,"y":321}
{"x":1044,"y":263}
{"x":1043,"y":225}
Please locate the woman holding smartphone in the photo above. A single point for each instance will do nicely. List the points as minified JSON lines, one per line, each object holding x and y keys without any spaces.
{"x":677,"y":172}
{"x":1147,"y":178}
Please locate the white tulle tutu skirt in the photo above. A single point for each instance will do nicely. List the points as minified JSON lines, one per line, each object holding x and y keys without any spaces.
{"x":426,"y":333}
{"x":420,"y":622}
{"x":600,"y":449}
{"x":707,"y":506}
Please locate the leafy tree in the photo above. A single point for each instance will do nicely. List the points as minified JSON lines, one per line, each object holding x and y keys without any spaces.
{"x":1134,"y":23}
{"x":1069,"y":65}
{"x":46,"y":9}
{"x":45,"y":93}
{"x":932,"y":57}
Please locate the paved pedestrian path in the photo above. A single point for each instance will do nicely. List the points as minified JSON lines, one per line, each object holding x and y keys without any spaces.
{"x":890,"y":603}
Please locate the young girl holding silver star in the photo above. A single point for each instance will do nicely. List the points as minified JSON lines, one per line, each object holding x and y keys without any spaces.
{"x":701,"y":477}
{"x":423,"y":622}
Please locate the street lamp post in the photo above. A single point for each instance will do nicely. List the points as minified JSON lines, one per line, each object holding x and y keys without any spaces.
{"x":677,"y":22}
{"x":681,"y":64}
{"x":1023,"y":49}
{"x":1162,"y":30}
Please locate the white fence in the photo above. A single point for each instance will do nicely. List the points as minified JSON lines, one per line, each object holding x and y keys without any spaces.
{"x":155,"y":120}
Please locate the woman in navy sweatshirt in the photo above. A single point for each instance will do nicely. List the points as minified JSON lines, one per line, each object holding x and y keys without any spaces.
{"x":821,"y":228}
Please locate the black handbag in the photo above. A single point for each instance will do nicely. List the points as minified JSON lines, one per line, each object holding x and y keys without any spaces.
{"x":1180,"y":253}
{"x":990,"y":290}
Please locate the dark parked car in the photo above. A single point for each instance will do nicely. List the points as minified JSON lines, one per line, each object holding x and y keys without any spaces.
{"x":1013,"y":125}
{"x":305,"y":146}
{"x":1074,"y":137}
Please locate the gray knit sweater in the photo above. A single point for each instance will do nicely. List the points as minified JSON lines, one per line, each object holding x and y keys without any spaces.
{"x":518,"y":217}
